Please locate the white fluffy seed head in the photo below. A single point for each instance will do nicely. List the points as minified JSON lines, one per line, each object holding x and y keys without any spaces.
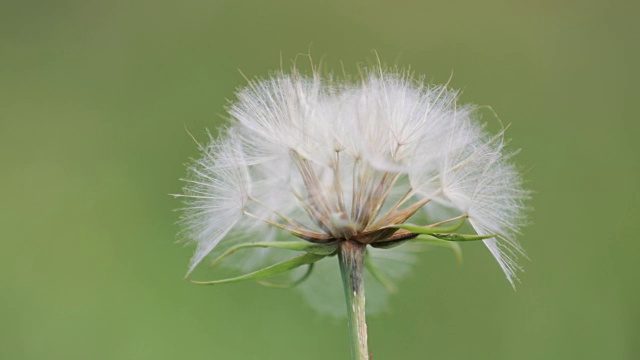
{"x":334,"y":158}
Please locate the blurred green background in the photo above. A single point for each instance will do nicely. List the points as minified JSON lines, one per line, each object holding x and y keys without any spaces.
{"x":94,"y":100}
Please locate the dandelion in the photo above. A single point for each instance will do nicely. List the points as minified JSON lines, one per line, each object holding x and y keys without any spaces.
{"x":356,"y":171}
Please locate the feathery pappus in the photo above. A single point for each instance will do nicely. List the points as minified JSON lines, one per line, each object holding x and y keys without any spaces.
{"x":380,"y":162}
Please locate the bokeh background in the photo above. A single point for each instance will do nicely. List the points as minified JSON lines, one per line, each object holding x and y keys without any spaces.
{"x":95,"y":97}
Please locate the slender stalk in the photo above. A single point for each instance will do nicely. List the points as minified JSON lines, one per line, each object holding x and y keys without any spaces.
{"x":351,"y":256}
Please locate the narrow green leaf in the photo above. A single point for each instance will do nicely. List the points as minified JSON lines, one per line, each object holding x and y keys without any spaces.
{"x":268,"y":271}
{"x":318,"y":249}
{"x":463,"y":237}
{"x":290,"y":284}
{"x":417,"y":229}
{"x":454,"y":246}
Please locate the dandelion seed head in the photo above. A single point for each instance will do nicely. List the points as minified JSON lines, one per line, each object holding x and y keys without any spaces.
{"x":331,"y":160}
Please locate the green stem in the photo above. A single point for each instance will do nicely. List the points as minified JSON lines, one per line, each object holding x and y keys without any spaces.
{"x":351,"y":256}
